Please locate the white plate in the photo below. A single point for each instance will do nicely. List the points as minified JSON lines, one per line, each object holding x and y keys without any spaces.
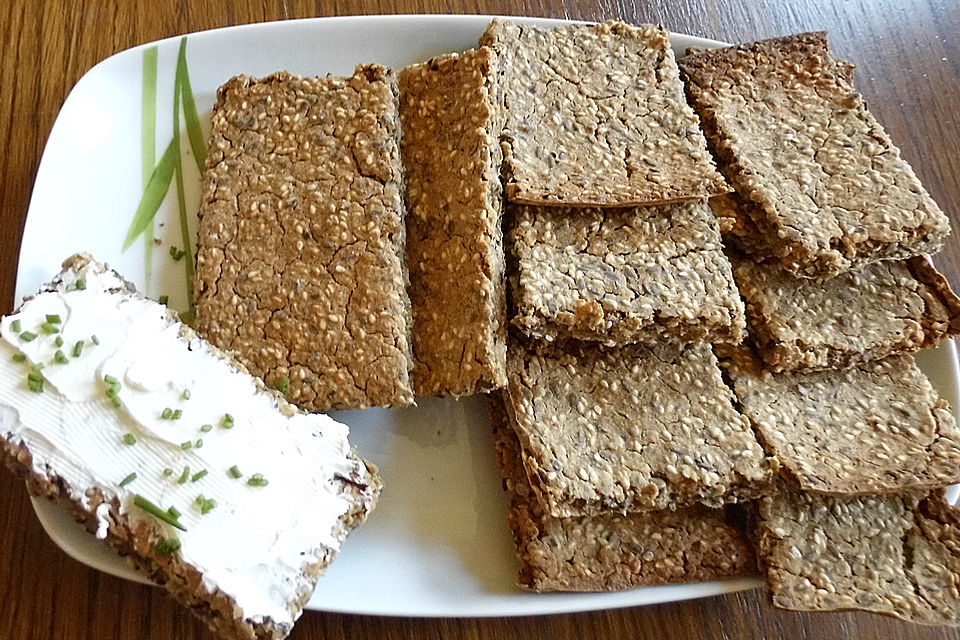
{"x":438,"y":544}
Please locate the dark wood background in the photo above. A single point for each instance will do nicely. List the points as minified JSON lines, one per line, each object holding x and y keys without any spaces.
{"x":908,"y":57}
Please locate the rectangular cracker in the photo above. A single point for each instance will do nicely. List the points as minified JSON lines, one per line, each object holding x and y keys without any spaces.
{"x":452,"y":158}
{"x":619,"y":276}
{"x":609,"y":552}
{"x":796,"y":139}
{"x":885,"y":308}
{"x":637,"y":428}
{"x":898,"y":555}
{"x":878,"y":427}
{"x":595,"y":116}
{"x":300,"y":249}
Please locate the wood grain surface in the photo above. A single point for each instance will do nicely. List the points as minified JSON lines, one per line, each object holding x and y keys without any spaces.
{"x":908,"y":57}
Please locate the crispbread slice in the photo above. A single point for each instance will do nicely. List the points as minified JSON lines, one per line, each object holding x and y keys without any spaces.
{"x":454,"y":244}
{"x":897,"y":555}
{"x":630,"y":429}
{"x":595,"y":116}
{"x":300,"y":248}
{"x":883,"y":309}
{"x":612,"y":551}
{"x":797,"y":140}
{"x":620,"y":276}
{"x":878,"y":427}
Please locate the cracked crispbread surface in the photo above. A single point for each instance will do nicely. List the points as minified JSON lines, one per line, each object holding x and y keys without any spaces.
{"x":630,"y":429}
{"x":830,"y":187}
{"x":878,"y":427}
{"x":883,"y":309}
{"x":454,"y":244}
{"x":300,"y":266}
{"x":897,"y":555}
{"x":612,"y":551}
{"x":595,"y":115}
{"x":620,"y":276}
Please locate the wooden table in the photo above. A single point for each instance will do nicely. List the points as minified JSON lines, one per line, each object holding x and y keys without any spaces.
{"x":908,"y":57}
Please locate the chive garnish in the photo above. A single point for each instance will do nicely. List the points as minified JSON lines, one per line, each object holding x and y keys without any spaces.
{"x":184,"y":476}
{"x":34,"y":384}
{"x":205,"y":504}
{"x":154,"y":510}
{"x":176,"y":415}
{"x":164,"y":299}
{"x":115,"y":401}
{"x":110,"y":380}
{"x":186,"y":394}
{"x":94,"y":339}
{"x":257,"y":480}
{"x":71,"y":287}
{"x":234,"y":472}
{"x":166,"y":413}
{"x":207,"y":427}
{"x":49,"y":328}
{"x":15,"y":326}
{"x":168,"y":471}
{"x":166,"y":547}
{"x":130,"y":478}
{"x":19,"y":357}
{"x":283,"y":385}
{"x":198,"y":475}
{"x":186,"y":445}
{"x":53,"y":318}
{"x":78,"y":349}
{"x":227,"y":422}
{"x":81,"y":283}
{"x":58,"y":341}
{"x":198,"y":443}
{"x":129,"y":438}
{"x":174,"y":512}
{"x":28,"y":336}
{"x":60,"y":358}
{"x":37,"y":368}
{"x":34,"y":375}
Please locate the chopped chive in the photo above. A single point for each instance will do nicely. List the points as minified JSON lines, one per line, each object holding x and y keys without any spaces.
{"x":28,"y":336}
{"x":116,"y":402}
{"x":94,"y":339}
{"x":35,"y":385}
{"x":49,"y":328}
{"x":257,"y":480}
{"x":167,"y":546}
{"x":78,"y":349}
{"x":71,"y":287}
{"x":129,"y":438}
{"x":185,"y":395}
{"x":227,"y":422}
{"x":198,"y":443}
{"x":168,"y":471}
{"x":164,"y":299}
{"x":205,"y":504}
{"x":53,"y":318}
{"x":110,"y":379}
{"x":186,"y":445}
{"x":166,"y":413}
{"x":15,"y":326}
{"x":176,"y":415}
{"x":111,"y":392}
{"x":154,"y":510}
{"x":58,"y":341}
{"x":19,"y":357}
{"x":283,"y":385}
{"x":174,"y":512}
{"x":184,"y":476}
{"x":198,"y":475}
{"x":81,"y":283}
{"x":37,"y":368}
{"x":60,"y":358}
{"x":130,"y":478}
{"x":206,"y":428}
{"x":234,"y":472}
{"x":34,"y":375}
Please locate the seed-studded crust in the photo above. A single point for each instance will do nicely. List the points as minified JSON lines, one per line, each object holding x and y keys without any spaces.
{"x":612,"y":551}
{"x":595,"y":116}
{"x":886,"y":308}
{"x":454,"y":243}
{"x":300,"y":265}
{"x":879,"y":427}
{"x":797,"y":140}
{"x":897,"y":555}
{"x":136,"y":541}
{"x":630,"y":429}
{"x":619,"y":276}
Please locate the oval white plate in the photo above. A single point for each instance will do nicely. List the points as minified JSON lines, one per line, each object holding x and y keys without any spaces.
{"x":438,"y":544}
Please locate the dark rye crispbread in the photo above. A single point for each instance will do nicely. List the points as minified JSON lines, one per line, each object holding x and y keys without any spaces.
{"x":796,"y":139}
{"x":595,"y":116}
{"x":885,"y":308}
{"x":898,"y":555}
{"x":630,"y":429}
{"x":613,"y":551}
{"x":136,"y":540}
{"x":619,"y":276}
{"x":300,"y":249}
{"x":452,"y":158}
{"x":878,"y":427}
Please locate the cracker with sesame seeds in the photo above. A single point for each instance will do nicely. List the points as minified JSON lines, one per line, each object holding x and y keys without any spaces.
{"x":886,"y":308}
{"x":300,"y":265}
{"x":612,"y":551}
{"x":878,"y":427}
{"x":630,"y":429}
{"x":594,"y":115}
{"x":454,"y":242}
{"x":795,"y":138}
{"x":620,"y":276}
{"x":897,"y":555}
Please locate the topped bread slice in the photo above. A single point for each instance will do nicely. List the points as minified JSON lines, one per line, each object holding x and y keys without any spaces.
{"x":169,"y":451}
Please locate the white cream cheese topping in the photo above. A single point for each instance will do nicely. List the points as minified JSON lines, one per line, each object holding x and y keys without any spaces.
{"x":257,"y":540}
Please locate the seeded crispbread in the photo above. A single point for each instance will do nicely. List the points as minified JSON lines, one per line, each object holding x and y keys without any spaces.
{"x":897,"y":555}
{"x":797,"y":140}
{"x":630,"y":429}
{"x":620,"y":276}
{"x":300,"y":265}
{"x":454,"y":244}
{"x":595,"y":116}
{"x":883,"y":309}
{"x":612,"y":551}
{"x":878,"y":427}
